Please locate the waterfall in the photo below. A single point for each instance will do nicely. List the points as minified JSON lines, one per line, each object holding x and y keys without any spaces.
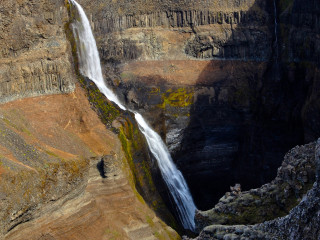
{"x":172,"y":176}
{"x":89,"y":63}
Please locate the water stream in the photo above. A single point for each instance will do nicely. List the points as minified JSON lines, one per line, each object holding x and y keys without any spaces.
{"x":89,"y":63}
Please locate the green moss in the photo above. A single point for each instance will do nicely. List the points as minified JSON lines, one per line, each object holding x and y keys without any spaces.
{"x":155,"y":91}
{"x":132,"y":143}
{"x":150,"y":221}
{"x":160,"y":236}
{"x":107,"y":111}
{"x":137,"y":159}
{"x":180,"y":97}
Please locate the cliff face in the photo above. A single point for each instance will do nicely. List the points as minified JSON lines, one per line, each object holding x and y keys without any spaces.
{"x":159,"y":55}
{"x":35,"y":59}
{"x":35,"y":56}
{"x":300,"y":59}
{"x":53,"y":166}
{"x":228,"y":90}
{"x":154,"y":30}
{"x":203,"y":74}
{"x":302,"y":221}
{"x":297,"y":71}
{"x":58,"y":183}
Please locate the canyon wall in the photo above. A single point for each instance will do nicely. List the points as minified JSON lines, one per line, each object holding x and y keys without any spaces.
{"x":213,"y":79}
{"x":63,"y":171}
{"x":299,"y":50}
{"x":228,"y":90}
{"x":35,"y":54}
{"x":297,"y":68}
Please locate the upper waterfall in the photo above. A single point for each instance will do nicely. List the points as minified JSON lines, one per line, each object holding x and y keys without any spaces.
{"x":90,"y":66}
{"x":89,"y":60}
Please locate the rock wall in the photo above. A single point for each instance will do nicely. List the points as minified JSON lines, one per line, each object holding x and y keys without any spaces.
{"x":35,"y":56}
{"x":52,"y":143}
{"x":210,"y":76}
{"x":206,"y":29}
{"x":294,"y":178}
{"x":183,"y":61}
{"x":299,"y":51}
{"x":297,"y":68}
{"x":203,"y":73}
{"x":35,"y":59}
{"x":301,"y":223}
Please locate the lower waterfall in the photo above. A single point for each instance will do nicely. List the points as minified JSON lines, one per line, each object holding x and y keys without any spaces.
{"x":89,"y":63}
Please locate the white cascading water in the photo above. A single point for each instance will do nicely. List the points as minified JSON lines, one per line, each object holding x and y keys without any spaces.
{"x":90,"y":67}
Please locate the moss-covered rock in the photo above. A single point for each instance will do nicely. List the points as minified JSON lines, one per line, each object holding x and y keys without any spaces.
{"x":140,"y":163}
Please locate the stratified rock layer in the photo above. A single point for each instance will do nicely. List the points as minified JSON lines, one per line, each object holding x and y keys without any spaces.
{"x":215,"y":81}
{"x":52,"y":144}
{"x":228,"y":96}
{"x":35,"y":55}
{"x":52,"y":183}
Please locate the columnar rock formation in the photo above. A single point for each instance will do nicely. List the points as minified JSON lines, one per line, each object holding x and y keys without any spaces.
{"x":209,"y":75}
{"x":51,"y":144}
{"x":205,"y":75}
{"x":35,"y":55}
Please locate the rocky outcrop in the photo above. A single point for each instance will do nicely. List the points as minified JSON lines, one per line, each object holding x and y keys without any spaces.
{"x":53,"y":184}
{"x":300,"y":223}
{"x":107,"y":208}
{"x":295,"y":177}
{"x":35,"y":56}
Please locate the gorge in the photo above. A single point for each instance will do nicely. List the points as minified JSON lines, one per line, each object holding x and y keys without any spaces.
{"x":230,"y":87}
{"x":90,"y":67}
